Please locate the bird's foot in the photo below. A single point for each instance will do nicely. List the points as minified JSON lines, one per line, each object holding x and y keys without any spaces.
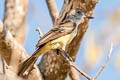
{"x":64,"y":54}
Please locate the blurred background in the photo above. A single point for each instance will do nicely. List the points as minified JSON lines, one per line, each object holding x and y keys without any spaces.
{"x":103,"y":30}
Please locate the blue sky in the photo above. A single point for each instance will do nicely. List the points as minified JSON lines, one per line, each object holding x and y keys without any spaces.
{"x":38,"y":16}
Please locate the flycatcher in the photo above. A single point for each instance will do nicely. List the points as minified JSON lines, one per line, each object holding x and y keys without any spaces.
{"x":58,"y":37}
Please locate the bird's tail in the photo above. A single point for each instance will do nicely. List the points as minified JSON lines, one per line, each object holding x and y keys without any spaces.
{"x":27,"y":65}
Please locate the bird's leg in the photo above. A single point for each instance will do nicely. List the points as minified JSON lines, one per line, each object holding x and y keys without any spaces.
{"x":64,"y":54}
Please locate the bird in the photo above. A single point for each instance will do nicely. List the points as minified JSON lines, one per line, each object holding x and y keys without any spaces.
{"x":58,"y":37}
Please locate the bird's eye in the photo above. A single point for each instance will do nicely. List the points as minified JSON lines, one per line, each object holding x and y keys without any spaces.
{"x":79,"y":12}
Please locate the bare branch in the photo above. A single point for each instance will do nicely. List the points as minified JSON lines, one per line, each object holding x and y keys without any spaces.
{"x":80,"y":71}
{"x":6,"y":72}
{"x":99,"y":72}
{"x":52,"y":7}
{"x":10,"y":50}
{"x":74,"y":75}
{"x":40,"y":32}
{"x":14,"y":53}
{"x":71,"y":63}
{"x":104,"y":65}
{"x":14,"y":19}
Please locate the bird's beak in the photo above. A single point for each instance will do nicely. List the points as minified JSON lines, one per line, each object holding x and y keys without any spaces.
{"x":89,"y":17}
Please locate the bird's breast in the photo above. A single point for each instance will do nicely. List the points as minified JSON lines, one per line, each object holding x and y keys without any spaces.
{"x":66,"y":39}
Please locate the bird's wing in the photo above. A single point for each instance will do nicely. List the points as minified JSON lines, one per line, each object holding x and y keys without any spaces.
{"x":56,"y":32}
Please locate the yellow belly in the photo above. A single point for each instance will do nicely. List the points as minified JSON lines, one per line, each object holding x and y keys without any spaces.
{"x":64,"y":40}
{"x":61,"y":42}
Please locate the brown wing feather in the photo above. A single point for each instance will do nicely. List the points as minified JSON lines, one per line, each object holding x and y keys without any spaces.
{"x":56,"y":32}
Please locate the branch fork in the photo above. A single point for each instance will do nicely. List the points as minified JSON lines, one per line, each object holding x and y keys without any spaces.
{"x":71,"y":63}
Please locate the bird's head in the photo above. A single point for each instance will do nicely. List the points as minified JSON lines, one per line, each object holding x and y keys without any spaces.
{"x":77,"y":16}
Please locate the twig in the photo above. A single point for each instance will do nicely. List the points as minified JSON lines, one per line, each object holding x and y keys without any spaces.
{"x":104,"y":65}
{"x":80,"y":71}
{"x":71,"y":63}
{"x":52,"y":7}
{"x":40,"y":32}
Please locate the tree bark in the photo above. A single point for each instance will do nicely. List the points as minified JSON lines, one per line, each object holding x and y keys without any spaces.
{"x":14,"y":18}
{"x":52,"y":7}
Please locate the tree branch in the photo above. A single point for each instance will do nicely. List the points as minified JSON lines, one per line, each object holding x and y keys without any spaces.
{"x":11,"y":44}
{"x":52,"y":7}
{"x":71,"y":63}
{"x":104,"y":65}
{"x":10,"y":49}
{"x":14,"y":53}
{"x":6,"y":73}
{"x":67,"y":6}
{"x":74,"y":75}
{"x":14,"y":18}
